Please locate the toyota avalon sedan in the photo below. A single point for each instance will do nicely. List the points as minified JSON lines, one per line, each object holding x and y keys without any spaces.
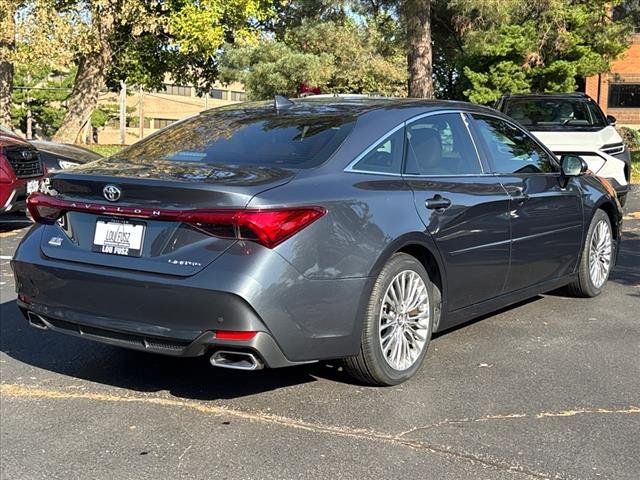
{"x":282,"y":233}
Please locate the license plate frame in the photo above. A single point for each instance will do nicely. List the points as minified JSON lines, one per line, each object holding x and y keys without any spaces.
{"x":118,"y":236}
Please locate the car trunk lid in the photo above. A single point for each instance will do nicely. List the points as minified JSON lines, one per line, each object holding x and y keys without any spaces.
{"x":141,"y":228}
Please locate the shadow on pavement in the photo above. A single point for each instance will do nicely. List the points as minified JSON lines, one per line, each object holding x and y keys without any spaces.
{"x":627,"y":271}
{"x":10,"y":222}
{"x":192,"y":378}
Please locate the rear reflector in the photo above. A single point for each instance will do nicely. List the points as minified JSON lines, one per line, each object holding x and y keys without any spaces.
{"x":268,"y":226}
{"x":234,"y":335}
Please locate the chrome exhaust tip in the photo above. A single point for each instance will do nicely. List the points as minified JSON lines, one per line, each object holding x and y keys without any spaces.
{"x":235,"y":360}
{"x":37,"y":321}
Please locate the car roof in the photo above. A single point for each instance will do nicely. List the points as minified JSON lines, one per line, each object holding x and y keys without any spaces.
{"x":386,"y":110}
{"x":546,"y":95}
{"x":366,"y":103}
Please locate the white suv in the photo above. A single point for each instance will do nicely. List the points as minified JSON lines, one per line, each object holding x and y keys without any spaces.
{"x":574,"y":123}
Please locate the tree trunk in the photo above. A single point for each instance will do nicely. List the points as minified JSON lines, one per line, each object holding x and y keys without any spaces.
{"x":89,"y":81}
{"x":417,"y":18}
{"x":7,"y":46}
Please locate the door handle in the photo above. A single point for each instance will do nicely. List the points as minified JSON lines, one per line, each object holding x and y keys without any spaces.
{"x":438,"y":202}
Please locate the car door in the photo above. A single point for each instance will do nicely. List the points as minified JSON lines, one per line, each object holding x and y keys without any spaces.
{"x":464,"y":209}
{"x":545,"y":208}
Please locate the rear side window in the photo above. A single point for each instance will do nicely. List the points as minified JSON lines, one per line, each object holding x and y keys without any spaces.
{"x":510,"y":149}
{"x":385,"y":157}
{"x":258,"y":136}
{"x":440,"y":145}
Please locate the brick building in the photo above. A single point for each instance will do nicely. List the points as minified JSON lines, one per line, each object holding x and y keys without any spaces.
{"x":618,"y":92}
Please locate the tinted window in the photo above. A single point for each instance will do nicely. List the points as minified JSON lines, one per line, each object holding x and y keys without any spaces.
{"x":385,"y":157}
{"x":555,"y":113}
{"x":218,"y":94}
{"x":510,"y":149}
{"x":247,"y":136}
{"x":440,"y":145}
{"x":624,"y":95}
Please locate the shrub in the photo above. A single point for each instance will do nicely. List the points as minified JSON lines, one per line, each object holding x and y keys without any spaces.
{"x":631,"y":137}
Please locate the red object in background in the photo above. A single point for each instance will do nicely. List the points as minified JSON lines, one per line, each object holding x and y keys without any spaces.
{"x":20,"y":164}
{"x":305,"y":90}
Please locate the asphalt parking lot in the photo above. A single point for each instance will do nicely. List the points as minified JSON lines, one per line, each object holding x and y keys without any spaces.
{"x":549,"y":388}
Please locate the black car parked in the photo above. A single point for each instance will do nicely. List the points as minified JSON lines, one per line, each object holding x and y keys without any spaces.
{"x":273,"y":235}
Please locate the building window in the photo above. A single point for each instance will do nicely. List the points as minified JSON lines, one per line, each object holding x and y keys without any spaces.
{"x":219,"y":94}
{"x":134,"y":122}
{"x":238,"y":96}
{"x":624,"y":95}
{"x":171,"y":89}
{"x":162,"y":122}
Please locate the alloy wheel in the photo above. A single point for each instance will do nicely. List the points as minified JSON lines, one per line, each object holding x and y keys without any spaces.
{"x":600,"y":254}
{"x":404,"y":320}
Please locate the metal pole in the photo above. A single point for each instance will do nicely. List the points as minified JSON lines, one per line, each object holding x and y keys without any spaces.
{"x":123,"y":112}
{"x":140,"y":114}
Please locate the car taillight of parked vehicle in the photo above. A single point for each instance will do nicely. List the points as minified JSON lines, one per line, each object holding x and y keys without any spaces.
{"x":269,"y":226}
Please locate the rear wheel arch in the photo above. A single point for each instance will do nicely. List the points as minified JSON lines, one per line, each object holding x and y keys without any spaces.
{"x":421,"y":247}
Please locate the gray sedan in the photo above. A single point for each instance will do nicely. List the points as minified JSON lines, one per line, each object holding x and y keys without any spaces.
{"x":274,"y":234}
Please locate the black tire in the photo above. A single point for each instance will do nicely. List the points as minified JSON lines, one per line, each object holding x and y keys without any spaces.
{"x":583,"y":286}
{"x":370,"y":366}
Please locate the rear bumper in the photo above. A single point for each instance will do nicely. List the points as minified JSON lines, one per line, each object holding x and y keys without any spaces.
{"x":297,"y":320}
{"x":262,"y":345}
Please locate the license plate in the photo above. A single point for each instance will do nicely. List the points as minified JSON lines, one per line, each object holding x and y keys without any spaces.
{"x":33,"y":186}
{"x":119,"y":237}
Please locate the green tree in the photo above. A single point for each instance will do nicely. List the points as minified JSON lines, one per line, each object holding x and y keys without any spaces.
{"x":272,"y":67}
{"x":141,"y":41}
{"x":33,"y":37}
{"x":541,"y":45}
{"x":39,"y":96}
{"x":337,"y":56}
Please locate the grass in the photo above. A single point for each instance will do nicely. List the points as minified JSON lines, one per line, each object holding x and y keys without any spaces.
{"x":106,"y":150}
{"x":635,"y":166}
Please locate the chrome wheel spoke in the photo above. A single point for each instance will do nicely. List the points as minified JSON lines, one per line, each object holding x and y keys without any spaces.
{"x":600,"y":253}
{"x":404,"y":320}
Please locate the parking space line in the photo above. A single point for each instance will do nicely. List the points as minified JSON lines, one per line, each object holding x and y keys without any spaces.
{"x":23,"y":391}
{"x":516,"y":416}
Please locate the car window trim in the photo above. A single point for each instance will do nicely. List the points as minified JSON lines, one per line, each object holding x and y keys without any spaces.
{"x":349,"y":168}
{"x":552,"y":156}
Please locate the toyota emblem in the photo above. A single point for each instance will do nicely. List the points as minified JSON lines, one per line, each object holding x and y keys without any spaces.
{"x":111,"y":193}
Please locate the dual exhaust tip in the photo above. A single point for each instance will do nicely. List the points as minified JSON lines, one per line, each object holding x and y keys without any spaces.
{"x":236,"y":360}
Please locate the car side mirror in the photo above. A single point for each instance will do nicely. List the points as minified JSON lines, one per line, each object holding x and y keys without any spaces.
{"x":611,"y":119}
{"x":573,"y":165}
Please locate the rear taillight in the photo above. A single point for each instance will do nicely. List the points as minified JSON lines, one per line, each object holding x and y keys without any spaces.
{"x":234,"y":335}
{"x":268,"y":226}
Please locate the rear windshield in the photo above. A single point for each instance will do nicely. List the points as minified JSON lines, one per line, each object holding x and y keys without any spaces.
{"x":259,"y":136}
{"x":556,"y":113}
